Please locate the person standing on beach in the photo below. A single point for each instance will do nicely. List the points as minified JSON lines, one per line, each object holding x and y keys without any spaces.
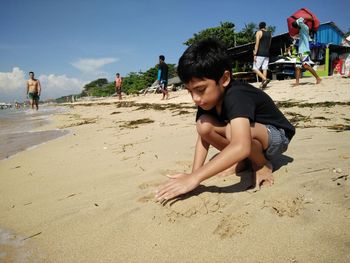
{"x":304,"y":50}
{"x":118,"y":85}
{"x":261,"y":53}
{"x":163,"y":76}
{"x":33,"y":90}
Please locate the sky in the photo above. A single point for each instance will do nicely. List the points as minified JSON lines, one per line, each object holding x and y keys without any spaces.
{"x":69,"y":43}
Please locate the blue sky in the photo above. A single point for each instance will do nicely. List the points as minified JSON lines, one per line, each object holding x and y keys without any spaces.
{"x":70,"y":42}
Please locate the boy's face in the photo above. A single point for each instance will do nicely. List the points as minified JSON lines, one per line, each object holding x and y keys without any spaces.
{"x":206,"y":93}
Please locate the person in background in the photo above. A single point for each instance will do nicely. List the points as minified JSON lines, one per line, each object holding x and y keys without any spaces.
{"x":118,"y":85}
{"x":163,"y":76}
{"x":261,"y":53}
{"x":304,"y":50}
{"x":33,"y":90}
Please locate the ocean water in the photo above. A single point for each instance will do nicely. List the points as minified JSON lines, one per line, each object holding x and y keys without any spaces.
{"x":17,"y":129}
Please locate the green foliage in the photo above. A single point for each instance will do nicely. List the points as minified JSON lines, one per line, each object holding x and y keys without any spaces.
{"x":226,"y":33}
{"x":98,"y":88}
{"x":132,"y":83}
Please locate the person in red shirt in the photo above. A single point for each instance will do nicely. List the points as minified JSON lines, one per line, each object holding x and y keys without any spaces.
{"x":118,"y":85}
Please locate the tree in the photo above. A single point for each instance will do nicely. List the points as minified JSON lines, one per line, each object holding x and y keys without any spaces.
{"x":225,"y":32}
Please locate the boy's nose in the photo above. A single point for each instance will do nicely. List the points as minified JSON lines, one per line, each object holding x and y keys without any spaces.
{"x":196,"y":98}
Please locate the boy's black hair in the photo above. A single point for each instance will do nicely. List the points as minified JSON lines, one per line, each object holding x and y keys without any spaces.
{"x":162,"y":58}
{"x":207,"y":58}
{"x":262,"y":25}
{"x":31,"y":72}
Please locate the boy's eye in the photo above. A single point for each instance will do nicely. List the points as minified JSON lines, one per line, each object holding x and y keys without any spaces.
{"x":200,"y":90}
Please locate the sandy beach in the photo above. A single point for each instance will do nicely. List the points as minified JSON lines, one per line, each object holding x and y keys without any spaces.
{"x":88,"y":196}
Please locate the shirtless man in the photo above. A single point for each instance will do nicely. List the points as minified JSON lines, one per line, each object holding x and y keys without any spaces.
{"x":33,"y":90}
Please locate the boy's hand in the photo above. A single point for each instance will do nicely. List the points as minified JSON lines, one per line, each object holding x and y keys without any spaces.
{"x":179,"y":184}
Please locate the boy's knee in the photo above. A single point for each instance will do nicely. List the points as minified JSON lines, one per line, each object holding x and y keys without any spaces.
{"x":204,"y":125}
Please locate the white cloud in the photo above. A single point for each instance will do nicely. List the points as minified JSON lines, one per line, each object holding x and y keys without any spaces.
{"x":56,"y":86}
{"x":13,"y":85}
{"x":10,"y":81}
{"x":90,"y":65}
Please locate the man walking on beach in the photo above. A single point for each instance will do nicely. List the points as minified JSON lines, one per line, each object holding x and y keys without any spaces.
{"x":118,"y":85}
{"x":163,"y":76}
{"x":261,"y":53}
{"x":304,"y":50}
{"x":33,"y":90}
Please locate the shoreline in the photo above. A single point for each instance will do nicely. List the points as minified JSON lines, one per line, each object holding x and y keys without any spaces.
{"x":90,"y":195}
{"x":24,"y":130}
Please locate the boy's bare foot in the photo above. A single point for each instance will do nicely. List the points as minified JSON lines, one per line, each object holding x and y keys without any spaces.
{"x":318,"y":81}
{"x":295,"y":85}
{"x":263,"y":176}
{"x":234,"y":169}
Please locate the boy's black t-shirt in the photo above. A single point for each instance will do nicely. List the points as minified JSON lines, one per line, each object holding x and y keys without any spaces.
{"x":244,"y":100}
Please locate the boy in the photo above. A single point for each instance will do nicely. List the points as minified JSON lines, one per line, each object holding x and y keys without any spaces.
{"x":237,"y":119}
{"x":33,"y":90}
{"x":261,"y":53}
{"x":304,"y":50}
{"x":163,"y":76}
{"x":118,"y":85}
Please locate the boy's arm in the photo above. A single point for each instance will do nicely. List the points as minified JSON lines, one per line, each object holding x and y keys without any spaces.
{"x":200,"y":153}
{"x":238,"y":149}
{"x":27,"y":87}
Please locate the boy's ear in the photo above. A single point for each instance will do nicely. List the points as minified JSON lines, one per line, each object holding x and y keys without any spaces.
{"x":226,"y":78}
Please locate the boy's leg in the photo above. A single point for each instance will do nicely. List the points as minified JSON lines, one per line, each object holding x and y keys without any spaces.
{"x":217,"y":134}
{"x":212,"y":131}
{"x":262,"y":168}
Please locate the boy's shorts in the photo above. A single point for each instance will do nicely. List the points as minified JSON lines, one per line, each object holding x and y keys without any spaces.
{"x":261,"y":62}
{"x":278,"y":142}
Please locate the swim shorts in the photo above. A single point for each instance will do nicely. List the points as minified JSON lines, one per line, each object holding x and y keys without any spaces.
{"x":304,"y":59}
{"x":33,"y":96}
{"x":278,"y":142}
{"x":164,"y":85}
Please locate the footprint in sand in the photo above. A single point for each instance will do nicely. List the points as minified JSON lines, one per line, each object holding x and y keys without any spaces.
{"x":149,"y":184}
{"x":286,"y":207}
{"x":231,"y":225}
{"x":191,"y":205}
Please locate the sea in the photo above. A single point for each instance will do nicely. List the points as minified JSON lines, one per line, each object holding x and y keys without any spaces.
{"x":20,"y":129}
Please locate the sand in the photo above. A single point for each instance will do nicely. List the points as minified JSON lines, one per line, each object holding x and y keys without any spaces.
{"x":89,"y":196}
